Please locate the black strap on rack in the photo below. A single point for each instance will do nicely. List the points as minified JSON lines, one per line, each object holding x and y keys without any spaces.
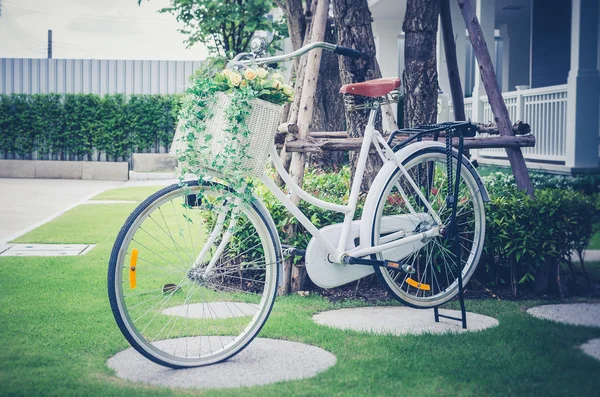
{"x":452,"y":201}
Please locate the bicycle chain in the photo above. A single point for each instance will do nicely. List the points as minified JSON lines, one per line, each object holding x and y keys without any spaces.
{"x":449,"y":168}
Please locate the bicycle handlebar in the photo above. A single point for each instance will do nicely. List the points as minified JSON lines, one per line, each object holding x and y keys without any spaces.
{"x":349,"y":52}
{"x":239,"y":59}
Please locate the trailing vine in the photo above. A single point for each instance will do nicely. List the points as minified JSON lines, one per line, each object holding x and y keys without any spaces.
{"x":225,"y":154}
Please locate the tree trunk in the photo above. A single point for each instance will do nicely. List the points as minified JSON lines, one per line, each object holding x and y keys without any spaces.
{"x":420,"y":73}
{"x":329,"y":107}
{"x":353,"y":22}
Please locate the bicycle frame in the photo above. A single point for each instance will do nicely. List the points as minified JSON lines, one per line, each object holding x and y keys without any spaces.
{"x":371,"y":135}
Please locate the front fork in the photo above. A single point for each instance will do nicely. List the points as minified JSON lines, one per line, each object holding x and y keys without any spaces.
{"x":222,"y":214}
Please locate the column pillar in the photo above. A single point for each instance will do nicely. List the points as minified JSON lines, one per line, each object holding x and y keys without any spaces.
{"x":387,"y":33}
{"x":583,"y":102}
{"x":486,"y":14}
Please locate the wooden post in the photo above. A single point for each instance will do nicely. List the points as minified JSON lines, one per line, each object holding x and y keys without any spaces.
{"x":305,"y":111}
{"x":494,"y":94}
{"x":456,"y":91}
{"x":292,"y":112}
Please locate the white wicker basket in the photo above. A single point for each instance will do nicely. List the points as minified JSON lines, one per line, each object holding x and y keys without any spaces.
{"x":262,"y":123}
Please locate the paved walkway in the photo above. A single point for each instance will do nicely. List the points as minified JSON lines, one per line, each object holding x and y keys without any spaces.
{"x":28,"y":203}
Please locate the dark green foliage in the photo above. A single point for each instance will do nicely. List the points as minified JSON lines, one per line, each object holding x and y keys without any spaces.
{"x":530,"y":238}
{"x":225,"y":27}
{"x":524,"y":237}
{"x":71,"y":126}
{"x":333,"y":187}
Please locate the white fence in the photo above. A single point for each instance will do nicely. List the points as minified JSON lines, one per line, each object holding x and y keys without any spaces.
{"x":545,"y":109}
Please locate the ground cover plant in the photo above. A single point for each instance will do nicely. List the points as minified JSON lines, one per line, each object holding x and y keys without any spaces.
{"x":57,"y":332}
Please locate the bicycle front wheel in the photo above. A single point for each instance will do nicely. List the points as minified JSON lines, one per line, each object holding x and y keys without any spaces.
{"x":192,"y":278}
{"x":435,"y":280}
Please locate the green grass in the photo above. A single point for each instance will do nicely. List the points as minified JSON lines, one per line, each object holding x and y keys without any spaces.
{"x":137,"y":193}
{"x":487,"y":169}
{"x":57,"y":331}
{"x":595,"y":242}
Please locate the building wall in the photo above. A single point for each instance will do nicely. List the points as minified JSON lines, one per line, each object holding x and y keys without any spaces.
{"x":551,"y":42}
{"x":33,"y":76}
{"x":519,"y":60}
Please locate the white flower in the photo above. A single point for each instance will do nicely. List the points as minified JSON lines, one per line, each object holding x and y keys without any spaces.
{"x":235,"y":78}
{"x":261,"y":73}
{"x":250,"y":74}
{"x":277,"y":76}
{"x":288,"y":89}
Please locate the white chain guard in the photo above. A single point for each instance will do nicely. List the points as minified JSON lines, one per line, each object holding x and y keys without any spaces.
{"x":330,"y":275}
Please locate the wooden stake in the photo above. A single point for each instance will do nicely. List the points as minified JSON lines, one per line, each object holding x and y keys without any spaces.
{"x":305,"y":112}
{"x":458,"y":102}
{"x":494,"y":94}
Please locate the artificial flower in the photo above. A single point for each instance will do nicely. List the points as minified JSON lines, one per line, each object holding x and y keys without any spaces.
{"x":250,"y":74}
{"x":235,"y":79}
{"x":261,"y":73}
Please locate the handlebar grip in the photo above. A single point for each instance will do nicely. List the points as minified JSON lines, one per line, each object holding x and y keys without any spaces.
{"x":349,"y":52}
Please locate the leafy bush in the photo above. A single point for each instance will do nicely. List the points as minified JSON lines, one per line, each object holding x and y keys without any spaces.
{"x":72,"y":126}
{"x":333,"y":187}
{"x":526,"y":239}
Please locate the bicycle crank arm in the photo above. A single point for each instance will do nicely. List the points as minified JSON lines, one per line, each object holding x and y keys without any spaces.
{"x":406,"y":268}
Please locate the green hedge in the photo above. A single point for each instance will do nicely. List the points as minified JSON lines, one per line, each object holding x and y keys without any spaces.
{"x":71,"y":126}
{"x":526,"y":239}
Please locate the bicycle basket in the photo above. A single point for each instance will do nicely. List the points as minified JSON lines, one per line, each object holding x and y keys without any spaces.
{"x":262,"y":124}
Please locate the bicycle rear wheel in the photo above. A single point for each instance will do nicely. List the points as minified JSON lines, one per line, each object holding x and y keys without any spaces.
{"x":166,"y":304}
{"x":436,"y":278}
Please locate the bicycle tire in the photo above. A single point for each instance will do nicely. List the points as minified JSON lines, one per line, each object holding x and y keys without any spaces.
{"x":234,"y":299}
{"x":435,"y":266}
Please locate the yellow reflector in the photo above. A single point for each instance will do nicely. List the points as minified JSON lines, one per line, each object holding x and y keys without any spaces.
{"x":132,"y":264}
{"x":424,"y":287}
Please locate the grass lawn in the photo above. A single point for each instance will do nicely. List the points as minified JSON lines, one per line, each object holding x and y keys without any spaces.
{"x":595,"y":242}
{"x":137,"y":193}
{"x":57,"y":331}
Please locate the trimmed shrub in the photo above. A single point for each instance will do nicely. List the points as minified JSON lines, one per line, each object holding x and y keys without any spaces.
{"x":72,"y":126}
{"x":528,"y":239}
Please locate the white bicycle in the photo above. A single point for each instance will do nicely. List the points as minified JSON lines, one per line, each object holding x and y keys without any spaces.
{"x":194,"y":271}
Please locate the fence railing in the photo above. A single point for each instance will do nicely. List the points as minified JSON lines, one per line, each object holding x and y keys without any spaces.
{"x":545,"y":109}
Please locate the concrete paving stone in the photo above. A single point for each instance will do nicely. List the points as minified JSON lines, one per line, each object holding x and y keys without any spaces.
{"x":264,"y":361}
{"x":47,"y":249}
{"x":400,"y":320}
{"x":213,"y":310}
{"x":592,"y":348}
{"x":586,"y":314}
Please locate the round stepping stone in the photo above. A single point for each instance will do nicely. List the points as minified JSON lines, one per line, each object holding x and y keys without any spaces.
{"x":264,"y":361}
{"x":399,"y":320}
{"x":213,"y":310}
{"x":592,"y":348}
{"x":587,"y":314}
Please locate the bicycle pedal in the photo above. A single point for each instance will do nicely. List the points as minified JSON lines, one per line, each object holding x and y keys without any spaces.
{"x":288,"y":250}
{"x":349,"y":260}
{"x":397,"y":266}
